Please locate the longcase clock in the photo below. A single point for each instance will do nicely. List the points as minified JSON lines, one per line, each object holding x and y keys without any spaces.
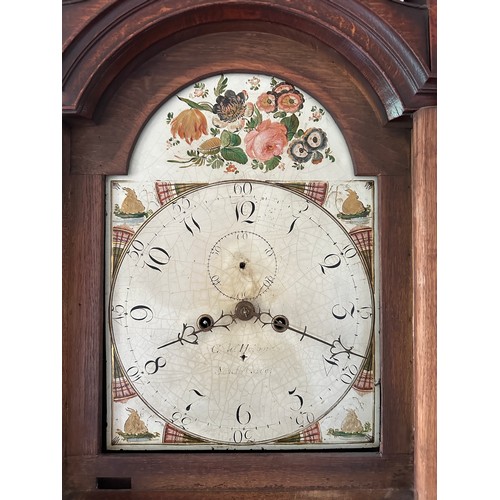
{"x":240,"y":184}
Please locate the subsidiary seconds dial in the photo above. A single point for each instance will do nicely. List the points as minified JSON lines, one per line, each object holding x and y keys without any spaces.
{"x":241,"y":312}
{"x":242,"y":265}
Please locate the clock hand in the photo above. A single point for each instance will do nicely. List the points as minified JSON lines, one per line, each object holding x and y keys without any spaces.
{"x":205,"y":323}
{"x":281,"y":324}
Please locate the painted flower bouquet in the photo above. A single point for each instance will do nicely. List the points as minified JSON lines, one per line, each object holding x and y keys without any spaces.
{"x":261,"y":134}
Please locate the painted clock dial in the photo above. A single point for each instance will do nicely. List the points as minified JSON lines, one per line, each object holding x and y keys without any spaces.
{"x":241,"y":312}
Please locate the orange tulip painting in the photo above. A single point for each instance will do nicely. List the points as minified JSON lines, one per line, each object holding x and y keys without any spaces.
{"x":190,"y":125}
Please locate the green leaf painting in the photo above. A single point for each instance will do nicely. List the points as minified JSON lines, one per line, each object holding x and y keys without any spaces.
{"x":234,"y":154}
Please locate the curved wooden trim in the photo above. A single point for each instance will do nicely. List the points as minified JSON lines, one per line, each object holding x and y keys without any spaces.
{"x":105,"y":148}
{"x":127,"y":31}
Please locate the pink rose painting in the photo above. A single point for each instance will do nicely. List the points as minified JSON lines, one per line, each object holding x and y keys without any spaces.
{"x":267,"y":140}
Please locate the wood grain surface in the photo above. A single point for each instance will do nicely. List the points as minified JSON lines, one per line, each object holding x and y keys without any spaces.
{"x":104,"y":148}
{"x":424,"y":179}
{"x":109,"y":36}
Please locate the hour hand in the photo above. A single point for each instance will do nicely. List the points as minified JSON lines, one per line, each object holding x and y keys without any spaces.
{"x":205,"y":323}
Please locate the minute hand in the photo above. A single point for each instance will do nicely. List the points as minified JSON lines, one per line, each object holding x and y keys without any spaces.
{"x":280,"y":324}
{"x":304,"y":334}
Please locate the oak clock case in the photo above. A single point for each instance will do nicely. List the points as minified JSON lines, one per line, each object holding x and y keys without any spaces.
{"x":242,"y":306}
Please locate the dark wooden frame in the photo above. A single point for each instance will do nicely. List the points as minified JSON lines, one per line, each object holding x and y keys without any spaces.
{"x":372,"y":71}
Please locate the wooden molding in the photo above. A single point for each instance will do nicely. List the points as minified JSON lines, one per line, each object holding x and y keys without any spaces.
{"x":104,"y":147}
{"x":121,"y":34}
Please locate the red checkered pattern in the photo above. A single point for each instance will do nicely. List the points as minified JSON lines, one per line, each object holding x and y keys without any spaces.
{"x":122,"y":235}
{"x":365,"y":382}
{"x":172,"y":434}
{"x":317,"y":191}
{"x":122,"y":390}
{"x":363,"y":237}
{"x":311,"y":434}
{"x":165,"y":191}
{"x":314,"y":190}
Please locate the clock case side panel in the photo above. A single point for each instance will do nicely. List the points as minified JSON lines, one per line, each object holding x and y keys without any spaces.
{"x":424,"y":179}
{"x":385,"y":474}
{"x":396,"y":349}
{"x":83,"y":299}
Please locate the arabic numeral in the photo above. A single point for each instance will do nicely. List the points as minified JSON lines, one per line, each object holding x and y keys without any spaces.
{"x":197,"y":393}
{"x":365,"y":312}
{"x":243,"y":416}
{"x":118,"y":313}
{"x":240,"y":436}
{"x":153,"y":365}
{"x":300,"y":400}
{"x":331,"y":261}
{"x":181,"y":209}
{"x":349,"y":374}
{"x":133,"y":373}
{"x":136,"y":249}
{"x":303,"y":209}
{"x":159,"y":257}
{"x":349,"y":251}
{"x":333,"y":361}
{"x":296,"y":217}
{"x":341,"y":312}
{"x":304,"y":418}
{"x":243,"y":188}
{"x":215,"y":279}
{"x":268,"y":281}
{"x":292,"y":225}
{"x":141,"y":313}
{"x":245,"y":211}
{"x":191,"y":224}
{"x":180,"y":420}
{"x":180,"y":206}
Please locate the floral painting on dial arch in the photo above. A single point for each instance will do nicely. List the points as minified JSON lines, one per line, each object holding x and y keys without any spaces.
{"x":244,"y":126}
{"x":238,"y":131}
